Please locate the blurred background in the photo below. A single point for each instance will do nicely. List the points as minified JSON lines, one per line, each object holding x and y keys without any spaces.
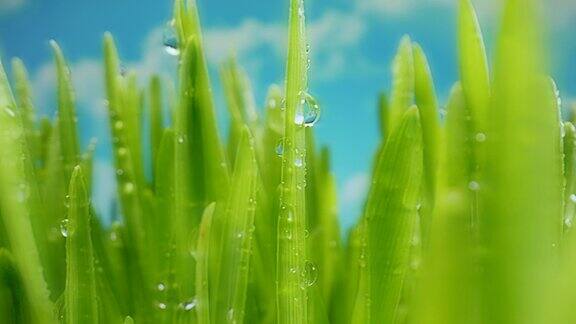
{"x":352,"y":45}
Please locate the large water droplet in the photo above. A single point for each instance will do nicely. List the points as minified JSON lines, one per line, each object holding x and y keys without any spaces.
{"x":309,"y":274}
{"x":64,"y":227}
{"x":170,"y":40}
{"x":309,"y":112}
{"x":280,"y":147}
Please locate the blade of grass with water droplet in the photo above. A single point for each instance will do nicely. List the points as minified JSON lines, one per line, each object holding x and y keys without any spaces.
{"x":81,"y":298}
{"x":390,"y":218}
{"x":291,"y":298}
{"x":569,"y":176}
{"x":15,"y":209}
{"x":522,"y":215}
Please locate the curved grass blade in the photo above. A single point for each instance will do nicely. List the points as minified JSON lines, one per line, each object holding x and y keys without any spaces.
{"x":81,"y":298}
{"x":518,"y":208}
{"x":390,"y":220}
{"x":16,"y":206}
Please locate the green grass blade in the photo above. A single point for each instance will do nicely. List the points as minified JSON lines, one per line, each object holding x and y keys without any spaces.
{"x":202,"y":266}
{"x":402,"y":95}
{"x":522,"y":214}
{"x":292,"y":259}
{"x":15,"y":206}
{"x":391,"y":216}
{"x":81,"y":302}
{"x":24,"y":99}
{"x":156,"y":118}
{"x":13,"y":302}
{"x":570,"y":176}
{"x":384,"y":112}
{"x":235,"y":219}
{"x":473,"y":66}
{"x":449,"y":293}
{"x":427,"y":103}
{"x":66,"y":121}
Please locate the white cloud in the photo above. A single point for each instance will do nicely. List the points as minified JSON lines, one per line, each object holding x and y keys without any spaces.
{"x":8,"y":6}
{"x":355,"y":189}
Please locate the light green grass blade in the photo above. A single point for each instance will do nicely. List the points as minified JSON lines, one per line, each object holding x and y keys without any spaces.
{"x":390,"y":218}
{"x":128,"y":320}
{"x":16,"y":207}
{"x":402,"y":95}
{"x":384,"y":112}
{"x":235,"y":217}
{"x":449,"y":291}
{"x":202,"y":266}
{"x":569,"y":176}
{"x":66,"y":120}
{"x":425,"y":97}
{"x":473,"y":66}
{"x":81,"y":299}
{"x":292,"y":259}
{"x":522,"y":215}
{"x":23,"y":95}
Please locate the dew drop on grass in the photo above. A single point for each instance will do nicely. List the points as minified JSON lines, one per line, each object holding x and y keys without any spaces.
{"x":280,"y":147}
{"x":298,"y":162}
{"x":64,"y":227}
{"x":161,"y":287}
{"x":573,"y":198}
{"x":230,"y":316}
{"x":474,"y":186}
{"x":568,"y":222}
{"x":128,"y":188}
{"x":161,"y":305}
{"x":188,"y":305}
{"x":122,"y":151}
{"x":480,"y":137}
{"x":180,"y":139}
{"x":309,"y":274}
{"x":118,"y":125}
{"x":170,"y":40}
{"x":309,"y":112}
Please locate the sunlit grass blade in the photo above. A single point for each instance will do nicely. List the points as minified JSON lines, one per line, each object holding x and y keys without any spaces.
{"x":569,"y":176}
{"x":425,"y":97}
{"x":450,"y":274}
{"x":390,"y":219}
{"x":81,"y":302}
{"x":402,"y":94}
{"x":521,"y":221}
{"x":156,"y":118}
{"x":202,"y":266}
{"x":23,"y":95}
{"x":234,"y":224}
{"x":292,"y":299}
{"x":16,"y":207}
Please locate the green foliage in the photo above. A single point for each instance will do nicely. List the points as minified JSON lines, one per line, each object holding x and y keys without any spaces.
{"x":468,"y":219}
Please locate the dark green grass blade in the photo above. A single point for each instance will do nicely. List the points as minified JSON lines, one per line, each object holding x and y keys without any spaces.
{"x":522,"y":217}
{"x":66,"y":119}
{"x":390,"y":219}
{"x":449,"y":291}
{"x":233,"y":223}
{"x":156,"y":118}
{"x":15,"y":206}
{"x":292,"y":258}
{"x":13,"y":302}
{"x":80,"y":301}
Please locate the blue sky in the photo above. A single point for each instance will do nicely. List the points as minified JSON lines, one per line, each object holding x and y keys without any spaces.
{"x":352,"y":43}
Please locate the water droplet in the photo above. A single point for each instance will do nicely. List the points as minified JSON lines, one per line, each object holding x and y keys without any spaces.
{"x":161,"y":305}
{"x":118,"y":125}
{"x":180,"y":139}
{"x":474,"y":186}
{"x":9,"y":112}
{"x":64,"y":227}
{"x":280,"y":147}
{"x":298,"y":162}
{"x":128,"y":188}
{"x":480,"y":137}
{"x":309,"y":114}
{"x":120,"y":172}
{"x":301,"y":11}
{"x":309,"y":274}
{"x":189,"y":305}
{"x":568,"y":222}
{"x":170,"y":40}
{"x":161,"y":287}
{"x":573,"y":198}
{"x":122,"y":151}
{"x":272,"y":103}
